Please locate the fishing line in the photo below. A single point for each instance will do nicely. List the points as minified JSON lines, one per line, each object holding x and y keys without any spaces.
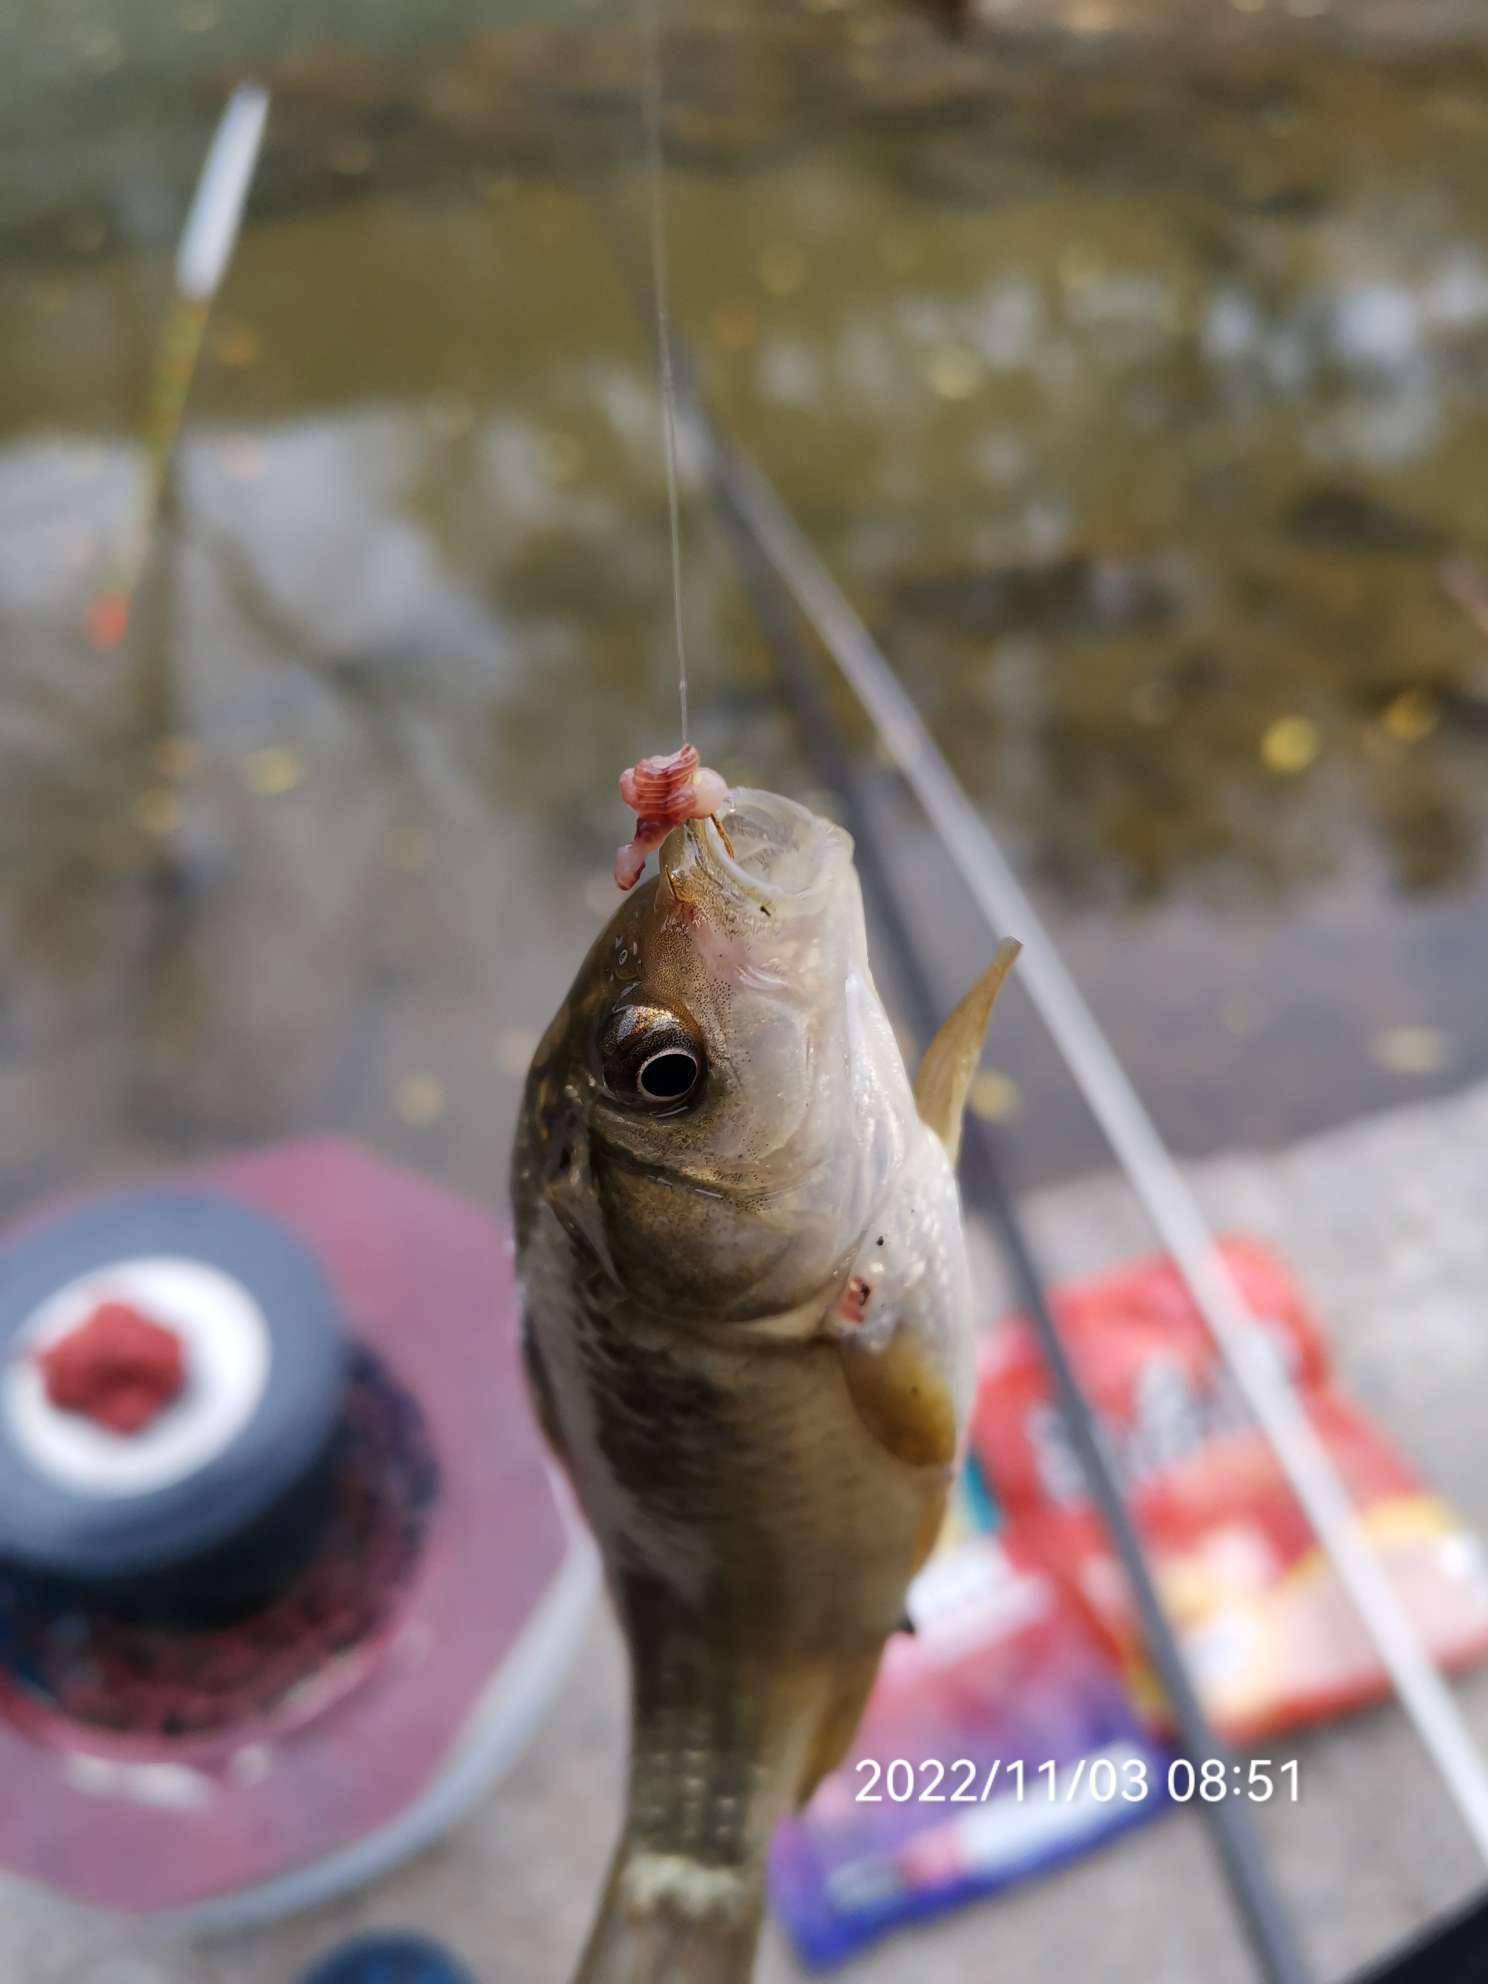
{"x":660,"y":290}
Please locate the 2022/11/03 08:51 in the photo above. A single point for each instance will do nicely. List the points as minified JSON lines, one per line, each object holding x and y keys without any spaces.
{"x":1103,"y":1780}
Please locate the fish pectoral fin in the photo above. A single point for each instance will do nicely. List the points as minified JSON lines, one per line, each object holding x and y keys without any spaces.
{"x":903,"y":1398}
{"x":951,"y":1058}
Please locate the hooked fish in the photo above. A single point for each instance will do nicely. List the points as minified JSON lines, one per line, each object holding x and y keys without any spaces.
{"x":747,"y":1336}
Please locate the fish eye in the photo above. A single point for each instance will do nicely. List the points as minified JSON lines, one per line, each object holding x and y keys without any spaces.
{"x":650,"y":1058}
{"x":668,"y":1076}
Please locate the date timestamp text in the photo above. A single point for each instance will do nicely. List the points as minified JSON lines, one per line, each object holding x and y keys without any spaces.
{"x":1102,"y":1780}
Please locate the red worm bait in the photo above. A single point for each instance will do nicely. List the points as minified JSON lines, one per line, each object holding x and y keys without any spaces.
{"x":663,"y":792}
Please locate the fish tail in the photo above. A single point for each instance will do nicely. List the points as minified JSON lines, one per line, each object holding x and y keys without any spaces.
{"x":716,"y":1761}
{"x":667,"y":1919}
{"x":671,"y":1913}
{"x":723,"y":1744}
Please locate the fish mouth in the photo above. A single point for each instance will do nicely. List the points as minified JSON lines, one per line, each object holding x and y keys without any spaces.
{"x":769,"y":851}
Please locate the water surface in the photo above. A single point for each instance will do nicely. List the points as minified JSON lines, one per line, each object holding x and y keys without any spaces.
{"x":1137,"y":392}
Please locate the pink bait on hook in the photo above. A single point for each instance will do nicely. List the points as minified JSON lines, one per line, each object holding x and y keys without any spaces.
{"x":662,"y":792}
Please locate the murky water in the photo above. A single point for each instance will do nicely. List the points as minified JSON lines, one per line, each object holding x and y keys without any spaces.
{"x":1141,"y":404}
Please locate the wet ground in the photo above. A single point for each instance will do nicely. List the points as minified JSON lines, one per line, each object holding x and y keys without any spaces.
{"x":1383,"y":1222}
{"x":1136,"y":390}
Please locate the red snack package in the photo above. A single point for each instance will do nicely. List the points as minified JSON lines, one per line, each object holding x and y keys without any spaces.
{"x":1271,"y":1637}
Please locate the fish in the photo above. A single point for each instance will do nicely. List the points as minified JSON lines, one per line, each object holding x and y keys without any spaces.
{"x":746,"y":1327}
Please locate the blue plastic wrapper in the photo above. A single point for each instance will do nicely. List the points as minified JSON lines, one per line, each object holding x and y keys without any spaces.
{"x":999,"y":1743}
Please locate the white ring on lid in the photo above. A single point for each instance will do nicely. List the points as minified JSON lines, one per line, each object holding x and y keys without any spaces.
{"x":228,"y":1351}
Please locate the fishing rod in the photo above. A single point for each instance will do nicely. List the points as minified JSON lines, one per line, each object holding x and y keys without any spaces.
{"x":1150,"y":1168}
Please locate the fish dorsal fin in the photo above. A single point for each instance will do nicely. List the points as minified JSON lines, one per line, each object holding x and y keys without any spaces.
{"x":951,"y":1058}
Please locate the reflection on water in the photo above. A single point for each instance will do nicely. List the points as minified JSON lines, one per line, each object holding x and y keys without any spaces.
{"x":1140,"y":402}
